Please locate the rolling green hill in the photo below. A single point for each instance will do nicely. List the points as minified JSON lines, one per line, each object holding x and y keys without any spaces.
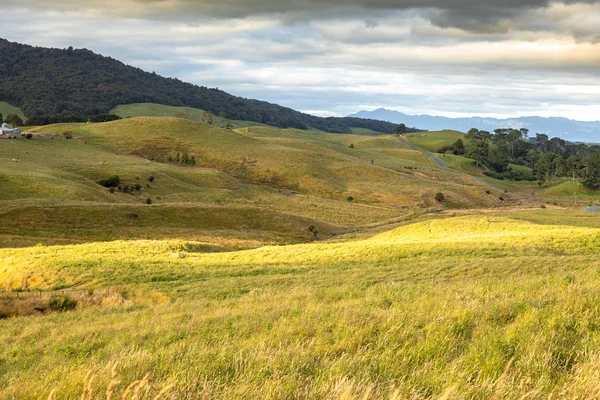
{"x":273,"y":183}
{"x":160,"y":110}
{"x":432,"y":141}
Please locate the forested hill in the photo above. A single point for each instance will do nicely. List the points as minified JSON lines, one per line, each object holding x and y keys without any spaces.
{"x":43,"y":81}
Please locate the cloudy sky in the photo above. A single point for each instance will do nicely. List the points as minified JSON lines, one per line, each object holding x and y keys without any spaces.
{"x":334,"y":57}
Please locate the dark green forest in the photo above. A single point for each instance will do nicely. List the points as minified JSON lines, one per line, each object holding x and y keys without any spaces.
{"x":79,"y":83}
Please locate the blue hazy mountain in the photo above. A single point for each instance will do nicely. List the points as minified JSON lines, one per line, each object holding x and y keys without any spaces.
{"x":554,"y":127}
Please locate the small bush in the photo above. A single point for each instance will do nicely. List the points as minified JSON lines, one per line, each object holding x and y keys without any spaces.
{"x":315,"y":232}
{"x":111,"y":182}
{"x":138,"y":187}
{"x":501,"y":198}
{"x":543,"y":206}
{"x":151,"y":178}
{"x":148,"y":201}
{"x":62,"y":304}
{"x":67,"y":135}
{"x":111,"y":190}
{"x":350,"y":198}
{"x":488,"y":192}
{"x":351,"y":145}
{"x":439,"y":196}
{"x":28,"y":136}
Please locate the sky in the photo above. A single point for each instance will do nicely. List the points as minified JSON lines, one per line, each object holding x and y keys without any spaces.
{"x":452,"y":58}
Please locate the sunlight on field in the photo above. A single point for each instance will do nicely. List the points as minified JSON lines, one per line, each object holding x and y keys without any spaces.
{"x":481,"y":304}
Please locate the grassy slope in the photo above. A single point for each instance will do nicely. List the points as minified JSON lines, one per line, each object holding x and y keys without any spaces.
{"x":432,"y":141}
{"x":6,"y":109}
{"x":567,"y":188}
{"x":488,"y":306}
{"x":160,"y":110}
{"x":302,"y":177}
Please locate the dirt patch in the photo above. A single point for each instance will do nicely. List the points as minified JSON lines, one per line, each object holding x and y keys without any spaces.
{"x":32,"y":303}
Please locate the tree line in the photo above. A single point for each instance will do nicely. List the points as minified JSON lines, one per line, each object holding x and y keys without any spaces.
{"x":15,"y":120}
{"x":549,"y":158}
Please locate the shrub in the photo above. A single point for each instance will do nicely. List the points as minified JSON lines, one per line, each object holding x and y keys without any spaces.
{"x":148,"y":201}
{"x":111,"y":182}
{"x":62,"y":304}
{"x":67,"y":135}
{"x":488,"y":192}
{"x":111,"y":190}
{"x":151,"y":178}
{"x":28,"y":136}
{"x":351,"y":145}
{"x":315,"y":232}
{"x":350,"y":198}
{"x":501,"y":198}
{"x":543,"y":206}
{"x":511,"y":175}
{"x":138,"y":187}
{"x":439,"y":196}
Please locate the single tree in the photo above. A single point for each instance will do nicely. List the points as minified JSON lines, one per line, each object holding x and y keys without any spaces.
{"x":401,"y":129}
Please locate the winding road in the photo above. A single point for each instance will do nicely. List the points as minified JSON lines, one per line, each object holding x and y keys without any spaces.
{"x":434,"y":158}
{"x":442,"y":163}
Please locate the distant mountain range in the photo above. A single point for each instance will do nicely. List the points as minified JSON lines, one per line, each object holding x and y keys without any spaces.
{"x":575,"y":131}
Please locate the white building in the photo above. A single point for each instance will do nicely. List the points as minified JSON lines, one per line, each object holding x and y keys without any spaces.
{"x":6,"y":131}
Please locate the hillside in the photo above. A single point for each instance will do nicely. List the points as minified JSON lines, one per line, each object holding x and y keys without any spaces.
{"x":576,"y":131}
{"x":193,"y":114}
{"x":44,"y":81}
{"x":262,"y":183}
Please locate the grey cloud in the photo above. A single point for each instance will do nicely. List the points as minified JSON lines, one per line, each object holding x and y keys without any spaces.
{"x":473,"y":15}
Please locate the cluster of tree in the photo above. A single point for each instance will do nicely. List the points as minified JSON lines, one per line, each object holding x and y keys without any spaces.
{"x":44,"y":81}
{"x":11,"y":119}
{"x":550,"y":158}
{"x":111,"y":182}
{"x":183,"y":159}
{"x":458,"y":148}
{"x":48,"y":120}
{"x":103,"y":118}
{"x":551,"y":166}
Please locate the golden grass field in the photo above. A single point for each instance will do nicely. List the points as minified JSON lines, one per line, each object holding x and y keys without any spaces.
{"x":218,"y":290}
{"x":478,"y":306}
